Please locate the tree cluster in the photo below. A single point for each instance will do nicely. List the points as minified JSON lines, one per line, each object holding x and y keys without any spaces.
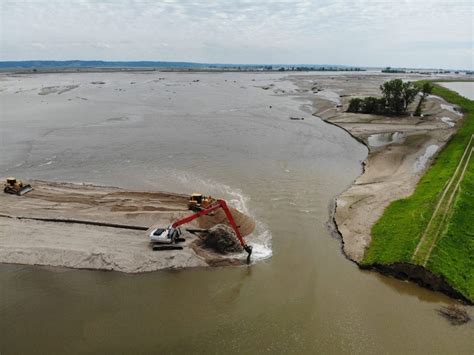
{"x":370,"y":104}
{"x":396,"y":96}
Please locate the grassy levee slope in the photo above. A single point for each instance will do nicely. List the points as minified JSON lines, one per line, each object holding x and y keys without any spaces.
{"x":434,"y":227}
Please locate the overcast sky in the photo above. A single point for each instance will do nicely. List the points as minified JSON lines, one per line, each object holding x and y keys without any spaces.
{"x":422,"y":33}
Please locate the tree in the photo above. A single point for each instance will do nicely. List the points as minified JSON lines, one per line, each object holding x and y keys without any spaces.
{"x":369,"y":104}
{"x":409,"y":93}
{"x":426,"y":89}
{"x":398,"y":95}
{"x":355,"y":105}
{"x":373,"y":105}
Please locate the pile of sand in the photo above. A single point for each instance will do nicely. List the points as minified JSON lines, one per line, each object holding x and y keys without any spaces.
{"x":222,"y":239}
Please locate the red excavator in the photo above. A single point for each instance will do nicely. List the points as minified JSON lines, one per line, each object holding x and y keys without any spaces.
{"x":172,"y":234}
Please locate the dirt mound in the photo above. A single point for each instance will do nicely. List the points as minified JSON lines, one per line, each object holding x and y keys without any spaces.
{"x":245,"y":223}
{"x":222,"y":239}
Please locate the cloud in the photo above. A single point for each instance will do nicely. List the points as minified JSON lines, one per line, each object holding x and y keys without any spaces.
{"x":101,"y":45}
{"x":365,"y":32}
{"x":38,"y":45}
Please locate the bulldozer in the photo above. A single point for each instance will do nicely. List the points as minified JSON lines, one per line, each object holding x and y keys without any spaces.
{"x":16,"y":187}
{"x":197,"y":202}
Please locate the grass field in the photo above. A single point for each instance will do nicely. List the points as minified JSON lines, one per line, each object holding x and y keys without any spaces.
{"x":435,"y":226}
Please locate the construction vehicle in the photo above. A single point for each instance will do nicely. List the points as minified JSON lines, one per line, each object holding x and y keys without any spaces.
{"x":164,"y":238}
{"x":16,"y":187}
{"x":197,"y":202}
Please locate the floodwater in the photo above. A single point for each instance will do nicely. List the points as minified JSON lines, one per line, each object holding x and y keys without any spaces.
{"x":463,"y":88}
{"x":224,"y":135}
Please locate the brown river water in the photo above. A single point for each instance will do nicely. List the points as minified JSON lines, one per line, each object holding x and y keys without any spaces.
{"x":215,"y":133}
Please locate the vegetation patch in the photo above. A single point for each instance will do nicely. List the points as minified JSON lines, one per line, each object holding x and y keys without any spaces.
{"x":397,"y":95}
{"x":433,"y":228}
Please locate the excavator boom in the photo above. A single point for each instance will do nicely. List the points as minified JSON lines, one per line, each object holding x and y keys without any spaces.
{"x":168,"y":235}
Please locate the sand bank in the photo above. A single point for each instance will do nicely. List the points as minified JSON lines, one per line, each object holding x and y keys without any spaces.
{"x":29,"y":236}
{"x":400,"y":150}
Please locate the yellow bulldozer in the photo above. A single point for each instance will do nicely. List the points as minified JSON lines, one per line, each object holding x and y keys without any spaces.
{"x":16,"y":187}
{"x":197,"y":202}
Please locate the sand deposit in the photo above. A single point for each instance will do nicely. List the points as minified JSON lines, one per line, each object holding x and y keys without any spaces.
{"x":400,"y":150}
{"x":91,"y":227}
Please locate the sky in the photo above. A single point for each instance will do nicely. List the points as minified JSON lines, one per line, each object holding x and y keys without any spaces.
{"x":379,"y":33}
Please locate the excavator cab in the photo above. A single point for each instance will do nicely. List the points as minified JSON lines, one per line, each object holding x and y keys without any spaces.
{"x":16,"y":187}
{"x":166,"y":238}
{"x":168,"y":235}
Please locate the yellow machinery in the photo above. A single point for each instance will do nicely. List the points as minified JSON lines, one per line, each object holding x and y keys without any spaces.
{"x":16,"y":187}
{"x":197,"y":202}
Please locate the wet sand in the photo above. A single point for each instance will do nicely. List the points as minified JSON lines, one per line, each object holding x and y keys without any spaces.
{"x":28,"y":234}
{"x":400,"y":150}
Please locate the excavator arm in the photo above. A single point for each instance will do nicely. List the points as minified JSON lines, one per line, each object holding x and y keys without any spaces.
{"x":214,"y":206}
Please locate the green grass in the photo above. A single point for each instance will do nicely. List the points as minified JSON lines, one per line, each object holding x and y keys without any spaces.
{"x":397,"y":233}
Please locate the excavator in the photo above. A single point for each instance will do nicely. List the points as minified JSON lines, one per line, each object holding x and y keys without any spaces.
{"x":159,"y":237}
{"x":16,"y":187}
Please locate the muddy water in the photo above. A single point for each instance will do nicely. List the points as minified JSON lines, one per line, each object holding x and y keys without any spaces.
{"x":214,"y":133}
{"x":464,"y":88}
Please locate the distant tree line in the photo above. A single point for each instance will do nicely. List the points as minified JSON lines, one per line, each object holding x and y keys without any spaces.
{"x":319,"y":69}
{"x":393,"y":70}
{"x":396,"y":97}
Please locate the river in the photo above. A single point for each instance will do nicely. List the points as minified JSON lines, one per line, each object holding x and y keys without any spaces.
{"x":463,"y":88}
{"x":224,"y":134}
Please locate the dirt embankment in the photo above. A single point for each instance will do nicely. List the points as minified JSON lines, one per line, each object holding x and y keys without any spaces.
{"x":400,"y":149}
{"x":421,"y":276}
{"x":92,"y":227}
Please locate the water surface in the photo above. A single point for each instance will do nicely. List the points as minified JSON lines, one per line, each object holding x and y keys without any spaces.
{"x":463,"y":88}
{"x":224,"y":135}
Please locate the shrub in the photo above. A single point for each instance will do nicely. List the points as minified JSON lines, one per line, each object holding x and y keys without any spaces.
{"x":373,"y":105}
{"x":426,"y":89}
{"x":355,"y":105}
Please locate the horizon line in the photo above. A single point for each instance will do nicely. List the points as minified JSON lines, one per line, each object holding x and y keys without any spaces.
{"x":230,"y":64}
